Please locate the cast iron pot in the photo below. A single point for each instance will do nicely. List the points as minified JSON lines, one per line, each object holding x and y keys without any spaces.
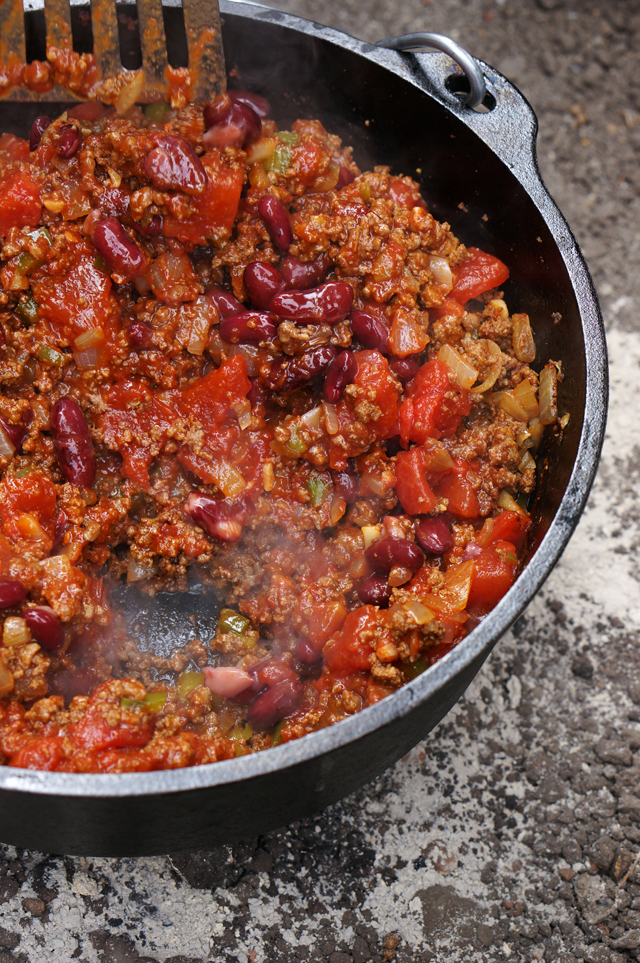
{"x":478,"y":172}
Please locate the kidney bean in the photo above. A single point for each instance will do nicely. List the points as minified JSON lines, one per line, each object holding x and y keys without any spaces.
{"x":219,"y":519}
{"x":326,"y":304}
{"x":341,"y":373}
{"x":62,"y":524}
{"x":139,"y":334}
{"x":346,"y":483}
{"x":276,"y":219}
{"x":308,"y":652}
{"x":405,"y":368}
{"x":111,"y":201}
{"x":375,"y":590}
{"x":68,"y":140}
{"x":370,"y":331}
{"x":285,"y":374}
{"x":302,"y":274}
{"x":249,"y":326}
{"x":174,"y":165}
{"x":257,"y":395}
{"x":263,"y":282}
{"x":226,"y":680}
{"x":260,"y":104}
{"x":434,"y":534}
{"x":386,"y":553}
{"x":239,"y":127}
{"x":117,"y":250}
{"x":274,"y":671}
{"x":38,"y":128}
{"x":16,"y":432}
{"x":45,"y":627}
{"x":274,"y":704}
{"x":12,"y":592}
{"x":225,"y":302}
{"x":215,"y":110}
{"x":72,"y":443}
{"x":344,"y":177}
{"x":152,"y":228}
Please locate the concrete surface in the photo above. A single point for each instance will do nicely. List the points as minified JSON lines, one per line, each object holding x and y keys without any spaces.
{"x":513,"y":832}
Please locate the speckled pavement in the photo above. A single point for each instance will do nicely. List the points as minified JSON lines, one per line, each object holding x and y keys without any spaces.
{"x":513,"y":832}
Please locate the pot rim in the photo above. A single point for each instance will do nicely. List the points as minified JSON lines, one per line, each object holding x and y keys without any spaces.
{"x":482,"y":639}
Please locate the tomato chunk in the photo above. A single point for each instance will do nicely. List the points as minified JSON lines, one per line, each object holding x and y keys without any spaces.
{"x":480,"y":274}
{"x":463,"y":500}
{"x":494,"y":574}
{"x":20,"y":203}
{"x":412,"y":487}
{"x":435,"y":406}
{"x":381,"y":389}
{"x":350,"y":650}
{"x":217,"y":206}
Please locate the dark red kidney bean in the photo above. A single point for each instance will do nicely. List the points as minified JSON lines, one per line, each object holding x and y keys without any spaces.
{"x":341,"y":373}
{"x":152,"y":228}
{"x":327,"y":304}
{"x":45,"y":627}
{"x":302,"y":274}
{"x":12,"y":592}
{"x":248,"y":327}
{"x":38,"y":128}
{"x":260,"y":104}
{"x":263,"y":282}
{"x":273,"y":671}
{"x":68,"y":140}
{"x":215,"y":110}
{"x":239,"y":127}
{"x":219,"y":518}
{"x":434,"y":534}
{"x":226,"y":304}
{"x":174,"y":165}
{"x":344,"y":177}
{"x":375,"y":590}
{"x":117,"y":250}
{"x":113,"y":200}
{"x":386,"y":553}
{"x":257,"y":395}
{"x":370,"y":331}
{"x":62,"y":524}
{"x":276,"y":220}
{"x":274,"y":704}
{"x":287,"y":374}
{"x":16,"y":432}
{"x":308,"y":652}
{"x":248,"y":695}
{"x":139,"y":334}
{"x":346,"y":484}
{"x":405,"y":368}
{"x":72,"y":443}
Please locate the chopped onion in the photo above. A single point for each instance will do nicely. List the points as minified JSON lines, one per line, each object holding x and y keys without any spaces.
{"x":130,"y":92}
{"x":457,"y":585}
{"x":441,"y":270}
{"x":462,"y":371}
{"x":141,"y":285}
{"x":311,"y":419}
{"x":526,"y":462}
{"x":418,"y":611}
{"x":498,"y":308}
{"x":242,"y":409}
{"x":261,"y":150}
{"x":226,"y":680}
{"x":195,"y":320}
{"x":512,"y":406}
{"x":549,"y":394}
{"x":537,"y":431}
{"x":85,"y":360}
{"x":6,"y":680}
{"x":87,"y":348}
{"x":508,"y":502}
{"x":15,"y":631}
{"x":137,"y":570}
{"x":399,"y":575}
{"x":268,"y":476}
{"x":337,"y":509}
{"x":371,"y":533}
{"x":7,"y":450}
{"x":227,"y":478}
{"x":523,"y":343}
{"x":526,"y":397}
{"x":250,"y":354}
{"x":378,"y":484}
{"x":436,"y":456}
{"x":407,"y":336}
{"x":30,"y":528}
{"x":495,"y":369}
{"x":330,"y":418}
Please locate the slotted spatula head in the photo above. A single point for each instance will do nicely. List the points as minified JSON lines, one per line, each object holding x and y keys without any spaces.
{"x":201,"y":20}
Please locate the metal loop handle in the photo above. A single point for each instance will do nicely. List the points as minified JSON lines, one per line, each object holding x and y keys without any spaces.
{"x":438,"y":41}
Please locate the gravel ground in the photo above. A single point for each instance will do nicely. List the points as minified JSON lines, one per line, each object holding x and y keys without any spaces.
{"x":513,"y":832}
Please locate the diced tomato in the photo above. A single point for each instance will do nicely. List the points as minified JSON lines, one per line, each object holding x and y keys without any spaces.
{"x":435,"y":405}
{"x":338,"y":454}
{"x":405,"y":195}
{"x":81,"y":298}
{"x":463,"y":500}
{"x":412,"y":487}
{"x":217,"y":206}
{"x":33,"y":496}
{"x":20,"y":204}
{"x":449,"y":308}
{"x":494,"y":574}
{"x":350,"y":650}
{"x":210,"y":399}
{"x":94,"y":732}
{"x":13,"y":149}
{"x":43,"y":752}
{"x":381,"y":389}
{"x":510,"y":527}
{"x":480,"y":274}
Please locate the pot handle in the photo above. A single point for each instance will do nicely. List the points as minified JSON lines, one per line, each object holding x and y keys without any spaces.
{"x":438,"y":41}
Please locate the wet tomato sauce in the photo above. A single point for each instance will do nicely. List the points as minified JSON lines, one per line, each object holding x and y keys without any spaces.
{"x":228,"y":354}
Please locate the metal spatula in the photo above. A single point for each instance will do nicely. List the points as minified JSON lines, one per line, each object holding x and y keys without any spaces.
{"x":201,"y":20}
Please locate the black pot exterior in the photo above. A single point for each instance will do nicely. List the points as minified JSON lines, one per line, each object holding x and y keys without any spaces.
{"x":478,"y":171}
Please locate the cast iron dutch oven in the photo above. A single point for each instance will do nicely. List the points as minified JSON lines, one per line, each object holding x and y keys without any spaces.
{"x":478,"y":171}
